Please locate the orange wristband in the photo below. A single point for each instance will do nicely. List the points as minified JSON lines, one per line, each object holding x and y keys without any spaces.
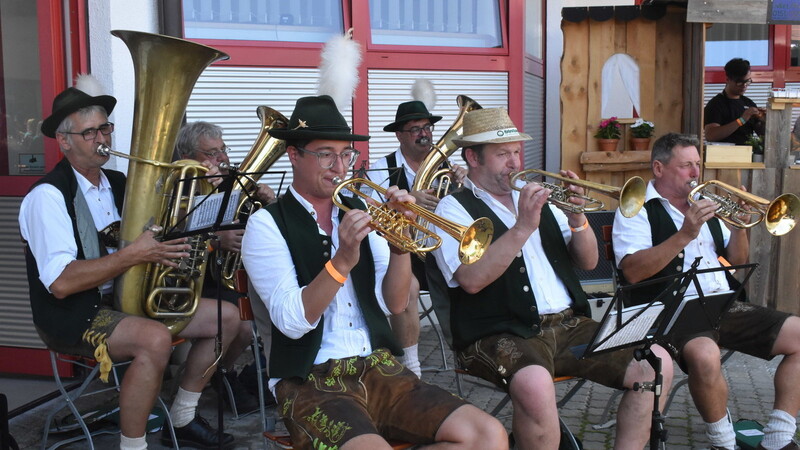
{"x":580,"y":228}
{"x":339,"y":278}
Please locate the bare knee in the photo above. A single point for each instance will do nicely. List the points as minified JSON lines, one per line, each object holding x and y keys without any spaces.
{"x":154,"y":343}
{"x":702,"y":356}
{"x":471,"y":428}
{"x":532,"y":388}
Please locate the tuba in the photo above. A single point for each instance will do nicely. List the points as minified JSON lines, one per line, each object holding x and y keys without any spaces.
{"x":430,"y":171}
{"x":411,"y":235}
{"x":631,"y":195}
{"x":166,"y":70}
{"x":262,"y":155}
{"x":779,"y":216}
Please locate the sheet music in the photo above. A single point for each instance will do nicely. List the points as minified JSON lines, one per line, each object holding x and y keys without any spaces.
{"x":204,"y":213}
{"x":633,"y":329}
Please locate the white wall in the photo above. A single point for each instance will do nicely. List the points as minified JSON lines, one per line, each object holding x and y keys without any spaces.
{"x":553,"y":52}
{"x":111,"y":61}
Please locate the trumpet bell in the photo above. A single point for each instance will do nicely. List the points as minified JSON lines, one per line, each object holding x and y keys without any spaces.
{"x":476,"y":239}
{"x":781,"y":214}
{"x":631,"y":196}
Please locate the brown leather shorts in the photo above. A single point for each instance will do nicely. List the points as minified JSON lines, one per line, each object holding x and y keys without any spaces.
{"x":103,"y":324}
{"x":497,"y":358}
{"x":344,"y":398}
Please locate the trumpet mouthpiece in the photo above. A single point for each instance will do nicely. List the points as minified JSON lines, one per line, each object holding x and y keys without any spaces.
{"x":693,"y":184}
{"x":103,"y":150}
{"x":336,"y":180}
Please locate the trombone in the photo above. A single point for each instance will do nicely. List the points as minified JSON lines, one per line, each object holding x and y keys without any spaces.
{"x":630,"y":195}
{"x":398,"y":229}
{"x":779,"y":215}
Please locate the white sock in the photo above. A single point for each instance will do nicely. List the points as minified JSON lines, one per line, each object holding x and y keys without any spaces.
{"x":126,"y":443}
{"x":184,"y":407}
{"x":779,"y":430}
{"x":720,"y":433}
{"x":410,"y":359}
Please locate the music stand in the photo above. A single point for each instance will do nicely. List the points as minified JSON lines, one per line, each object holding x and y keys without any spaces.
{"x":654,"y":322}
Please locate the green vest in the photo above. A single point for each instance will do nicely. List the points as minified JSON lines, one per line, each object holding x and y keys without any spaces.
{"x":310,"y":251}
{"x":662,"y":227}
{"x":507,"y":305}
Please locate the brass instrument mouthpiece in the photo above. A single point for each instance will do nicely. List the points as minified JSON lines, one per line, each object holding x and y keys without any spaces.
{"x":103,"y":150}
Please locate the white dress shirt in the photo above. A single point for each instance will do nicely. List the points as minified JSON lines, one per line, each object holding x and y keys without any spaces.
{"x":551,"y":294}
{"x":379,"y":171}
{"x":269,"y":265}
{"x":631,"y":235}
{"x":45,"y":224}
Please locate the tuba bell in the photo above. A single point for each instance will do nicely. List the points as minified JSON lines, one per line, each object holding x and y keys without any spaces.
{"x":431,"y":173}
{"x":264,"y":152}
{"x":166,"y":70}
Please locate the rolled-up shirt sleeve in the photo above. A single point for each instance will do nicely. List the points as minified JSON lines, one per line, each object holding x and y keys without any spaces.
{"x":447,"y":254}
{"x":46,"y":226}
{"x":271,"y":270}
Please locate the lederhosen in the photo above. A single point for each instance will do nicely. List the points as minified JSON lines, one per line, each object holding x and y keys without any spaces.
{"x":310,"y":251}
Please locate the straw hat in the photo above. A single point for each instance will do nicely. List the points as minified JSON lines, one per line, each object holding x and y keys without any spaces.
{"x":489,"y":126}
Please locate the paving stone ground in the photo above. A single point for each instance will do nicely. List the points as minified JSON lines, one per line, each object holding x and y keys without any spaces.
{"x":751,"y":396}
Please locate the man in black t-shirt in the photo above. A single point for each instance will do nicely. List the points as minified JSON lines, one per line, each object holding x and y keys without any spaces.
{"x":730,"y":116}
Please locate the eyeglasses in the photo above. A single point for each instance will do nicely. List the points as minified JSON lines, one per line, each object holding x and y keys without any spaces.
{"x":90,"y":134}
{"x":223,"y":151}
{"x":746,"y":82}
{"x":415,"y":130}
{"x":326,"y":159}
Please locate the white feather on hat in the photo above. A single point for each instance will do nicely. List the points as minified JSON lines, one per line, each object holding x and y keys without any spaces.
{"x":423,"y":91}
{"x":338,"y":69}
{"x":89,"y":85}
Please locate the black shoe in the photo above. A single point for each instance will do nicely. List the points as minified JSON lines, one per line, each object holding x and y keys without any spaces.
{"x":245,"y":401}
{"x":197,"y":433}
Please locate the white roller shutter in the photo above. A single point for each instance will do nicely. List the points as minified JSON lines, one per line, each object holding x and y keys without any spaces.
{"x":389,"y":88}
{"x":534,"y":121}
{"x":16,"y":322}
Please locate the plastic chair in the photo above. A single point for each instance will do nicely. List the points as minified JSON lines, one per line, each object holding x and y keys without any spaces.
{"x":69,"y":398}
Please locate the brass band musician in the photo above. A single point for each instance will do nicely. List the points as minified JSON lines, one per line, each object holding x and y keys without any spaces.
{"x":328,"y":283}
{"x":665,"y":238}
{"x":71,"y":268}
{"x":517,"y":312}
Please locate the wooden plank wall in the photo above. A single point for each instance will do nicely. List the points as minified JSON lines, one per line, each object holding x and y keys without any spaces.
{"x":657,"y":46}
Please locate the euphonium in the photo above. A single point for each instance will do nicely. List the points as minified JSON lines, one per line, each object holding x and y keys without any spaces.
{"x":779,"y":215}
{"x":166,"y":70}
{"x":430,"y":171}
{"x":408,"y":234}
{"x":262,"y":155}
{"x":630,"y":195}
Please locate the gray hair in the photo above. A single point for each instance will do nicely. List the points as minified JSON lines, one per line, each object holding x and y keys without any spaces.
{"x":662,"y":148}
{"x":190,"y":135}
{"x":66,"y":125}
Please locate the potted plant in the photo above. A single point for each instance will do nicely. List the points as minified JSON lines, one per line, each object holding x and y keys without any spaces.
{"x":608,"y":134}
{"x":641,"y":132}
{"x":757,"y":142}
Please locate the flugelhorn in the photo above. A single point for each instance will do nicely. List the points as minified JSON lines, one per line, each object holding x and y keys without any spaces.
{"x":407,"y":234}
{"x":779,"y":215}
{"x":430,"y":171}
{"x":630,"y":195}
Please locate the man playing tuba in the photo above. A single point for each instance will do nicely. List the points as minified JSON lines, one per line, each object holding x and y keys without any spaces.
{"x":71,"y":268}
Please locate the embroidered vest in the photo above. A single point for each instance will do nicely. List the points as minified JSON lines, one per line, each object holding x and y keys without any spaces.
{"x":508,"y":305}
{"x":310,"y":251}
{"x":69,"y":317}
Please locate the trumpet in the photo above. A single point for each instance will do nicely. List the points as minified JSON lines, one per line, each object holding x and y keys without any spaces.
{"x":630,"y":195}
{"x":779,"y":215}
{"x":398,"y":229}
